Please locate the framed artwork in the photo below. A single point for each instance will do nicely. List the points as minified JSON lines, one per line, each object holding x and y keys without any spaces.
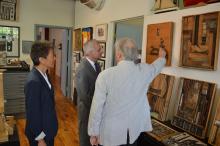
{"x":159,"y":36}
{"x":161,"y":131}
{"x":214,"y":137}
{"x":183,"y":139}
{"x":87,"y":34}
{"x":103,"y":47}
{"x":10,"y":40}
{"x":200,"y":41}
{"x":194,"y":107}
{"x":102,"y":64}
{"x":9,"y":10}
{"x":101,"y":32}
{"x":26,"y":46}
{"x":159,"y":95}
{"x":76,"y":57}
{"x":77,"y":39}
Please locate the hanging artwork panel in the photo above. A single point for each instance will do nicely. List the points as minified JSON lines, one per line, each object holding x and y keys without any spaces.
{"x":159,"y":36}
{"x":77,"y":39}
{"x":9,"y":10}
{"x":200,"y":41}
{"x":87,"y":34}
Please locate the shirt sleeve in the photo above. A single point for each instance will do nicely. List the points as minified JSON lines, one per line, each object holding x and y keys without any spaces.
{"x":40,"y":136}
{"x":156,"y":67}
{"x":98,"y":102}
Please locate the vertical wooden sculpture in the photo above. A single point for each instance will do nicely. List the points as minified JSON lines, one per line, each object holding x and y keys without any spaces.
{"x":159,"y":95}
{"x":194,"y":106}
{"x":159,"y":35}
{"x":200,"y":41}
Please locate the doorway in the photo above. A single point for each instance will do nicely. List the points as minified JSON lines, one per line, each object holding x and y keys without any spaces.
{"x":131,"y":28}
{"x":61,"y":39}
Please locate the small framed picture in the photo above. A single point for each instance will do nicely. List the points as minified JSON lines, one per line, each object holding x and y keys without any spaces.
{"x":103,"y":47}
{"x":77,"y":57}
{"x":101,"y":62}
{"x":101,"y":32}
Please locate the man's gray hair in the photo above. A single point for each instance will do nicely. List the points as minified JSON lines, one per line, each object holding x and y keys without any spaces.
{"x":89,"y":46}
{"x":130,"y":54}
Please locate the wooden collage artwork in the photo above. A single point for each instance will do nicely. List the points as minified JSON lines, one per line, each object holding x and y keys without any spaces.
{"x":214,"y":137}
{"x":194,"y":106}
{"x":161,"y":131}
{"x":200,"y":41}
{"x":183,"y":139}
{"x":159,"y":95}
{"x":159,"y":36}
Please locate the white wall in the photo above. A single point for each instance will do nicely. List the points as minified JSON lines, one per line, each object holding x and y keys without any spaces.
{"x":50,"y":12}
{"x":112,"y":10}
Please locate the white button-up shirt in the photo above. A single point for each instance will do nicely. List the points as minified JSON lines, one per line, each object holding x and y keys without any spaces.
{"x":120,"y":103}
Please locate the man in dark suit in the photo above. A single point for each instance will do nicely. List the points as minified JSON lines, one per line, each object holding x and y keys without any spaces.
{"x":86,"y":75}
{"x":41,"y":124}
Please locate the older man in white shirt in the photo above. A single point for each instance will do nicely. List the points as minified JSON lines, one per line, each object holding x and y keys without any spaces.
{"x":120,"y":110}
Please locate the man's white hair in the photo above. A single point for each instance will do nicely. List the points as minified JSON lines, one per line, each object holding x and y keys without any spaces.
{"x":130,"y":54}
{"x":89,"y":46}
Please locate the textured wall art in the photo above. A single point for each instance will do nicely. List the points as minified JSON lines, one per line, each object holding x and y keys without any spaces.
{"x":159,"y":95}
{"x":159,"y":36}
{"x":195,"y":102}
{"x":200,"y":41}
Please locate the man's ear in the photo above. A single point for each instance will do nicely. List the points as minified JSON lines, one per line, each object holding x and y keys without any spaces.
{"x":41,"y":60}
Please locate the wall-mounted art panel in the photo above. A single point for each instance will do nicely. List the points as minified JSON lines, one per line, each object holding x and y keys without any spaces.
{"x":87,"y":34}
{"x":159,"y":36}
{"x":101,"y":32}
{"x":159,"y":95}
{"x":195,"y":102}
{"x":200,"y":41}
{"x":77,"y":39}
{"x":9,"y":10}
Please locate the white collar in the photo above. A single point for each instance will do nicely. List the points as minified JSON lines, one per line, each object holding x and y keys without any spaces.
{"x":90,"y":61}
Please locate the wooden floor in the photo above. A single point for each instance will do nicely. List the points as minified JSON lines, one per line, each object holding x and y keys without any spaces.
{"x":67,"y":119}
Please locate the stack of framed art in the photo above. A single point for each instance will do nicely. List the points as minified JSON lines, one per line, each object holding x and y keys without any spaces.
{"x":101,"y":33}
{"x":195,"y":102}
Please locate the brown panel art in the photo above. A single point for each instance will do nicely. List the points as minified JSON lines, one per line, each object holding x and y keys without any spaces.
{"x":200,"y":37}
{"x":159,"y":95}
{"x":194,"y":106}
{"x":159,"y":35}
{"x":77,"y":39}
{"x":161,"y":131}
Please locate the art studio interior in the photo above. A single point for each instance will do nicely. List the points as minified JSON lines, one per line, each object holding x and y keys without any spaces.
{"x":184,"y":98}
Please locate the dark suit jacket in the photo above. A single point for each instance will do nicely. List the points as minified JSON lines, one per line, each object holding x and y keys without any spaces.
{"x":85,"y":86}
{"x":40,"y":107}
